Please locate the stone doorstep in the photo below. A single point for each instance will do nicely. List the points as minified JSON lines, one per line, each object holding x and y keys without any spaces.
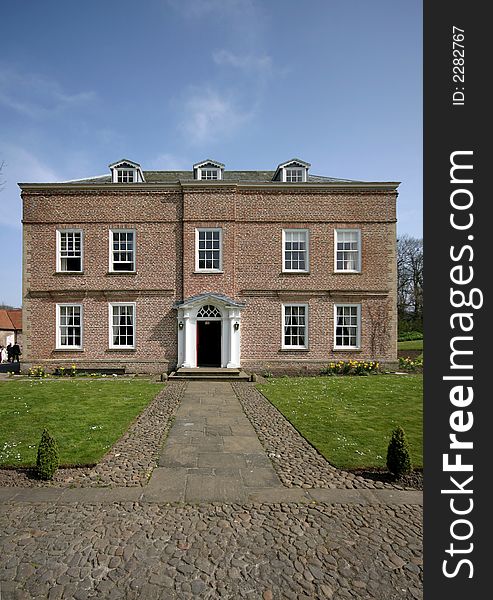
{"x":213,"y":370}
{"x":209,"y":374}
{"x":210,"y":378}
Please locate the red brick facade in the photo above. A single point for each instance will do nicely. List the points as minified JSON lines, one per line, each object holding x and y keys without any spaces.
{"x":252,"y":216}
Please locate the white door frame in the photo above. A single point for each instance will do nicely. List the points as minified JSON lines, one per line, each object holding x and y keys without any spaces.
{"x":230,"y":332}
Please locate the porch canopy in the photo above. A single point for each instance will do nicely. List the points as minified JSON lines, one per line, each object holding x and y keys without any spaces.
{"x":205,"y":307}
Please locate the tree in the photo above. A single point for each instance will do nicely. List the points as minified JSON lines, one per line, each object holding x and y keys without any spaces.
{"x":410,"y":280}
{"x":47,"y":461}
{"x":398,"y":458}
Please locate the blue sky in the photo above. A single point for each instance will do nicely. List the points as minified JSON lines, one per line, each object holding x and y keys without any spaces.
{"x":167,"y":83}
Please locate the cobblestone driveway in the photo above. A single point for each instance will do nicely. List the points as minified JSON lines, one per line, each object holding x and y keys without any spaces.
{"x":278,"y":542}
{"x":146,"y":551}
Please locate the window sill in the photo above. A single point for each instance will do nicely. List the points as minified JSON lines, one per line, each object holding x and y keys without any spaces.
{"x":294,"y":349}
{"x":208,"y":272}
{"x":68,"y":273}
{"x":68,"y":350}
{"x":347,"y":272}
{"x":121,"y":350}
{"x":347,"y":349}
{"x":121,"y":273}
{"x":295,"y":272}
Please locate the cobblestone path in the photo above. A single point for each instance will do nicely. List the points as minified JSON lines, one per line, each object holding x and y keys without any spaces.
{"x":146,"y":551}
{"x":215,"y":521}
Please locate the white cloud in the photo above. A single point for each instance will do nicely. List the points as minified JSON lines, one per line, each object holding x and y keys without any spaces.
{"x":36,"y":96}
{"x":20,"y":165}
{"x":248,"y":62}
{"x":210,"y":116}
{"x":170,"y":162}
{"x":200,"y":8}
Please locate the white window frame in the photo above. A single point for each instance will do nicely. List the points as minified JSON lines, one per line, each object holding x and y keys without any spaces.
{"x":307,"y":251}
{"x":58,"y":326}
{"x":283,"y":325}
{"x":285,"y":174}
{"x":336,"y":236}
{"x":111,"y":251}
{"x":59,"y":250}
{"x":358,"y":326}
{"x":197,"y":234}
{"x":202,"y":172}
{"x":113,"y":346}
{"x":120,"y":171}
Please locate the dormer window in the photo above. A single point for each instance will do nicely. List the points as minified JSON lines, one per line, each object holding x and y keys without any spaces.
{"x":125,"y":175}
{"x":292,"y":171}
{"x":210,"y":174}
{"x":294,"y":175}
{"x":126,"y":171}
{"x":208,"y":170}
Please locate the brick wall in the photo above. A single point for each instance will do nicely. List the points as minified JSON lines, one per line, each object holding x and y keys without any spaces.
{"x":165,"y":222}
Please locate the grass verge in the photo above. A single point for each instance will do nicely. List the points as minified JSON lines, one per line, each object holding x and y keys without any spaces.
{"x":86,"y":417}
{"x":350,"y":419}
{"x":410,"y":345}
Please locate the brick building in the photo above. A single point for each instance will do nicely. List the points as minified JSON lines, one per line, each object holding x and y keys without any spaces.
{"x":150,"y":270}
{"x":10,"y":326}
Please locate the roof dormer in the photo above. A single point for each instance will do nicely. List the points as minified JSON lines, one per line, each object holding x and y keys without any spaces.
{"x":292,"y":171}
{"x":126,"y":171}
{"x":208,"y":170}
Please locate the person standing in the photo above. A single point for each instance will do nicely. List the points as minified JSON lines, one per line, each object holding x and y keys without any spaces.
{"x":16,"y":352}
{"x":3,"y":354}
{"x":9,"y":352}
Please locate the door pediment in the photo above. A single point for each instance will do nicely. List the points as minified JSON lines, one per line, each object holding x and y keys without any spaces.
{"x":219,"y":300}
{"x":209,"y":308}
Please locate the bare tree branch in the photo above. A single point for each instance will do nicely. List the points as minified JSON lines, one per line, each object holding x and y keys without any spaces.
{"x":410,"y":277}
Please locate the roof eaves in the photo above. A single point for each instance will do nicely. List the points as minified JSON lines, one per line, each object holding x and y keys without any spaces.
{"x":209,"y":160}
{"x":85,"y":179}
{"x":292,"y":160}
{"x":124,"y":160}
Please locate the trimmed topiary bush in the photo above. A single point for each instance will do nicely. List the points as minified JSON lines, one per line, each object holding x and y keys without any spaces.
{"x":48,"y":459}
{"x":398,"y":458}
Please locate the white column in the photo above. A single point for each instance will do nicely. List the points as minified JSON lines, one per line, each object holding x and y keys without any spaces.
{"x":234,"y":340}
{"x":225,"y":325}
{"x":181,"y":339}
{"x":190,"y":340}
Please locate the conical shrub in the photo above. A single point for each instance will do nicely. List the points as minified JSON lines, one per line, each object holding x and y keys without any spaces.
{"x":48,"y":461}
{"x":398,"y":458}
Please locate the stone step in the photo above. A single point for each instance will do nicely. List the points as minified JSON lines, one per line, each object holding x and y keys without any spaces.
{"x":210,"y":374}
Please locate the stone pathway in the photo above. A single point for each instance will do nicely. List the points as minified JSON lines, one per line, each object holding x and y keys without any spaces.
{"x":215,"y":521}
{"x":212,"y":453}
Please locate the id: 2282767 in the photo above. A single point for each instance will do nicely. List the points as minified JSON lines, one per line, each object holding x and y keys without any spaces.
{"x":458,"y":73}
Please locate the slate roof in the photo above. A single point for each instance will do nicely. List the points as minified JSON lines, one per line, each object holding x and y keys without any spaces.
{"x":187,"y":176}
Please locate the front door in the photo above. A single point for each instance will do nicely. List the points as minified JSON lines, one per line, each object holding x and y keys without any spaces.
{"x":208,"y":343}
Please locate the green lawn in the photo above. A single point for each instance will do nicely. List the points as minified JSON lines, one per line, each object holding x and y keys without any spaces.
{"x":350,"y":419}
{"x":410,"y":345}
{"x":85,"y":416}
